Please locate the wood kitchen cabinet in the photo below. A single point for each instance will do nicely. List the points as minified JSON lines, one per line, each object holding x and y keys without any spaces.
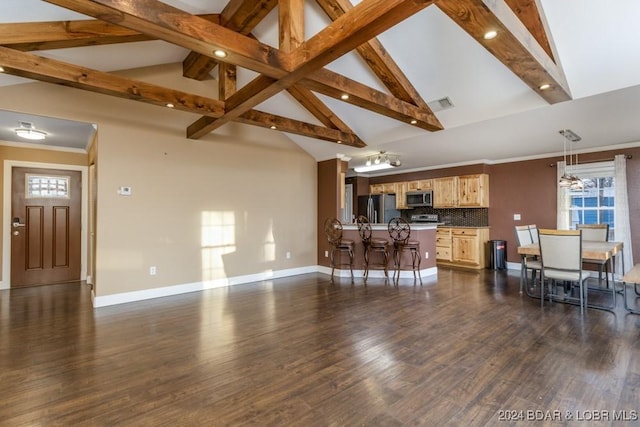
{"x":420,"y":185}
{"x":401,"y":195}
{"x":473,"y":191}
{"x":385,"y":188}
{"x":443,"y":244}
{"x":445,"y":192}
{"x":376,"y":189}
{"x":462,"y":246}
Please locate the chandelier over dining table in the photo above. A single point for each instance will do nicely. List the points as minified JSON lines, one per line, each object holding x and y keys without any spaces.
{"x":569,"y":179}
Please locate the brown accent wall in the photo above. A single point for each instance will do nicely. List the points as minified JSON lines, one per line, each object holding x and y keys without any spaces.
{"x":528,"y":188}
{"x":328,"y":200}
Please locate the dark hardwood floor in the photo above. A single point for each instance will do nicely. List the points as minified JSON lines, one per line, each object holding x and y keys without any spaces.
{"x":465,"y":349}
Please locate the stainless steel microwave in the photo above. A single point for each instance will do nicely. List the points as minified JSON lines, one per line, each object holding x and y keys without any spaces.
{"x":419,"y":198}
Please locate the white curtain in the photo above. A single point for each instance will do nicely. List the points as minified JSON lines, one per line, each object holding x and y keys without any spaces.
{"x":562,"y":222}
{"x":621,"y":214}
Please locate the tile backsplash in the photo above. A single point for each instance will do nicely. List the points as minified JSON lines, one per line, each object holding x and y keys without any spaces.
{"x":461,"y":217}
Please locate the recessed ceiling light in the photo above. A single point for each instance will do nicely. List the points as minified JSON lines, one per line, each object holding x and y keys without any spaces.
{"x":490,"y":35}
{"x":414,"y":121}
{"x":169,"y":105}
{"x":544,"y":86}
{"x":273,"y":127}
{"x":339,"y":142}
{"x":344,"y":96}
{"x":220,"y":53}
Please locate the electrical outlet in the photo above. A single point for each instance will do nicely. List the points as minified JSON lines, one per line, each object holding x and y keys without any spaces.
{"x":124,"y":191}
{"x":516,"y":217}
{"x":288,"y":255}
{"x":152,"y":270}
{"x":326,"y":254}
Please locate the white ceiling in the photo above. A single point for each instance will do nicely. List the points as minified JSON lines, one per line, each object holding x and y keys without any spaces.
{"x":496,"y":117}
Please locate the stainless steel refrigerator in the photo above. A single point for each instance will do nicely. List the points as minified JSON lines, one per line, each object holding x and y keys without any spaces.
{"x":378,"y":208}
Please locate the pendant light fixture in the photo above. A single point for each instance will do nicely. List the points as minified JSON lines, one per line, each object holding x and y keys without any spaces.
{"x":568,"y":180}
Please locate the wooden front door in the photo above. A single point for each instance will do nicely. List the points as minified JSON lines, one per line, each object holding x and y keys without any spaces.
{"x":45,"y":226}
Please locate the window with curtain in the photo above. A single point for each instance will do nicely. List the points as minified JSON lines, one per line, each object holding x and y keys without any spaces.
{"x":603,"y":199}
{"x":595,"y":202}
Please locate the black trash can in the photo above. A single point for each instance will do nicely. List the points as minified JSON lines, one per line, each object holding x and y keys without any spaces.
{"x":497,"y":254}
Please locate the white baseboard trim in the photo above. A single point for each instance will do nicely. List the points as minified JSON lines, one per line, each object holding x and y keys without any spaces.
{"x":377,"y":274}
{"x":145,"y":294}
{"x":125,"y":297}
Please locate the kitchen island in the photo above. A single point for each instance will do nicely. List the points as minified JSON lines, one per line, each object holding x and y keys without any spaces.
{"x":424,"y":233}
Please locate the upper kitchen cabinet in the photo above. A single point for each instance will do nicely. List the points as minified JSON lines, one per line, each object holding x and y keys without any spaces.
{"x":445,"y":192}
{"x":420,"y":185}
{"x":401,"y":195}
{"x":473,"y":191}
{"x":385,"y":188}
{"x":376,"y":189}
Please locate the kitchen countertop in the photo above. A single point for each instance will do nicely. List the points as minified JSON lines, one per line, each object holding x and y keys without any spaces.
{"x":462,"y":226}
{"x":422,"y":226}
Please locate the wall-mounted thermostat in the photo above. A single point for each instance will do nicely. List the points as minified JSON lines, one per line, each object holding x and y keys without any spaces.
{"x":124,"y":191}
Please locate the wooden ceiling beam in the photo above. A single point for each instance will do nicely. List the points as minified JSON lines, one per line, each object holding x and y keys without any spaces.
{"x":335,"y":85}
{"x":379,"y":61}
{"x":175,"y":26}
{"x":115,"y":33}
{"x":527,"y":11}
{"x":35,"y":67}
{"x":31,"y":36}
{"x":291,"y":35}
{"x":258,"y":118}
{"x":360,"y":24}
{"x":238,"y":15}
{"x":317,"y":108}
{"x":514,"y":46}
{"x":48,"y":70}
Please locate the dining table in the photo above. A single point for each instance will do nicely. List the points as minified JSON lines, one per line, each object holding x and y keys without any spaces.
{"x":592,"y":250}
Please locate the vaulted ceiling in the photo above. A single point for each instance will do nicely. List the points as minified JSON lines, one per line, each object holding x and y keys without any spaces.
{"x":229,"y":40}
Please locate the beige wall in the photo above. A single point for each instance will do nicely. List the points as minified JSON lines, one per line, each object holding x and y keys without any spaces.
{"x":230,"y":204}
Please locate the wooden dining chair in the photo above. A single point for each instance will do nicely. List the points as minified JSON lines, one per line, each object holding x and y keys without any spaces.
{"x":523,"y":236}
{"x":597,"y":233}
{"x":561,"y":259}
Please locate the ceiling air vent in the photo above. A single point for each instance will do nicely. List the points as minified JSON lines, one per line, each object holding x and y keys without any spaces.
{"x":440,"y":104}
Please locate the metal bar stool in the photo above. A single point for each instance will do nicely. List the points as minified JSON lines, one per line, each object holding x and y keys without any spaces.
{"x":400,"y":231}
{"x":333,"y":230}
{"x":372,"y":245}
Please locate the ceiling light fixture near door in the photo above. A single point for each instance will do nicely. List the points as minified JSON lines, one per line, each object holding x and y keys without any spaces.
{"x":219,"y":53}
{"x":28,"y":131}
{"x":379,"y":161}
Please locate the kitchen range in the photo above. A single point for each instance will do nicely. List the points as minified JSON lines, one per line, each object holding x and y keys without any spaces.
{"x":425,"y":218}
